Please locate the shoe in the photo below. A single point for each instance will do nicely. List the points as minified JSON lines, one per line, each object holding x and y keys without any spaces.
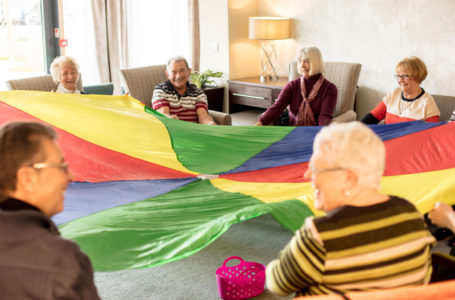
{"x":442,"y":233}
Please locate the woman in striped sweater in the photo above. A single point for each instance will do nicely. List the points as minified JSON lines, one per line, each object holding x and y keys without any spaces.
{"x":367,"y":240}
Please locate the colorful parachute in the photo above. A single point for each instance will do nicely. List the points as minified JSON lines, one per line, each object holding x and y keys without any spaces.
{"x":150,"y":190}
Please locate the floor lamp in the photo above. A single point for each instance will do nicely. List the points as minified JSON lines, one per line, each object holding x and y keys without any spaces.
{"x":267,"y":29}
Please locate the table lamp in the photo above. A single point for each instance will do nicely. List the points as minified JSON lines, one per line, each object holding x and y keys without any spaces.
{"x":267,"y":29}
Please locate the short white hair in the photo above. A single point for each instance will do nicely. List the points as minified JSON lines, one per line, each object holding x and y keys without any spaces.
{"x":175,"y":59}
{"x":58,"y":63}
{"x":313,"y":54}
{"x":355,"y":147}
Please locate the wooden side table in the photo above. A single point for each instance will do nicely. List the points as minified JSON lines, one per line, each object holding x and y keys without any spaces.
{"x":251,"y":92}
{"x":215,"y":97}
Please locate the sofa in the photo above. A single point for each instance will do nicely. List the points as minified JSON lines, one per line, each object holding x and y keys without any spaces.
{"x":446,"y":105}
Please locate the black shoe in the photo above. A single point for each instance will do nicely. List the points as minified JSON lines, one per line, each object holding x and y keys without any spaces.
{"x":442,"y":233}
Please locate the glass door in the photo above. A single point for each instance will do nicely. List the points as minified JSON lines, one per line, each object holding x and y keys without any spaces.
{"x":21,"y":36}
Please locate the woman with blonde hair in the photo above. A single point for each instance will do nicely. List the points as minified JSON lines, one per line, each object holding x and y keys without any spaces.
{"x":409,"y":101}
{"x":310,"y":99}
{"x":367,"y":240}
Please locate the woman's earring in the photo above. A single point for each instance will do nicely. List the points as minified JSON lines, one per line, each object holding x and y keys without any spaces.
{"x":347,"y":193}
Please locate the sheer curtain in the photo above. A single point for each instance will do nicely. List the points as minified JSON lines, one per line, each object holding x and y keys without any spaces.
{"x":78,"y":30}
{"x":133,"y":33}
{"x":158,"y":30}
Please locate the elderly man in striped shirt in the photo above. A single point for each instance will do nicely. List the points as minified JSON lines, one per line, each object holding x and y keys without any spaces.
{"x":178,"y":99}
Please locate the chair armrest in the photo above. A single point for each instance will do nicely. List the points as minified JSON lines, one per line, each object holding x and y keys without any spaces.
{"x":220,"y":118}
{"x":348,"y":116}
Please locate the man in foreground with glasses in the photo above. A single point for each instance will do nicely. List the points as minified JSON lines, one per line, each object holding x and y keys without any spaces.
{"x":409,"y":101}
{"x":367,"y":240}
{"x":35,"y":261}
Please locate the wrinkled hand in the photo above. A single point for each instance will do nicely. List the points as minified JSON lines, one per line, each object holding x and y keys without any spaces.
{"x":442,"y":215}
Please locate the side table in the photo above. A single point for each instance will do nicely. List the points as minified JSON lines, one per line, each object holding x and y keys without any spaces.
{"x":215,"y":97}
{"x":251,"y":92}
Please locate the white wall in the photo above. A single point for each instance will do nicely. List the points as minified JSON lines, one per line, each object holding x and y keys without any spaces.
{"x":214,"y":34}
{"x":244,"y":53}
{"x":377,"y":34}
{"x":224,"y":39}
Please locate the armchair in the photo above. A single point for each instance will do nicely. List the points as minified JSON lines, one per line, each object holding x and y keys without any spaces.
{"x":46,"y":84}
{"x":140,"y":82}
{"x":39,"y":83}
{"x":345,"y":76}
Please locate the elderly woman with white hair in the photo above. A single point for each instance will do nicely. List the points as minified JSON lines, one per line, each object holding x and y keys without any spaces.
{"x":310,"y":99}
{"x":65,"y":72}
{"x":367,"y":240}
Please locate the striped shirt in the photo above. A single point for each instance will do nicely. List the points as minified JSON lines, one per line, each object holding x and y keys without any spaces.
{"x":394,"y":108}
{"x":184,"y":106}
{"x":380,"y":246}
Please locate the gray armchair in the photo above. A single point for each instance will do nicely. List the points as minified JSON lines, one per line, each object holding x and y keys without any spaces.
{"x":140,"y":82}
{"x":46,"y":84}
{"x":345,"y":76}
{"x":39,"y":83}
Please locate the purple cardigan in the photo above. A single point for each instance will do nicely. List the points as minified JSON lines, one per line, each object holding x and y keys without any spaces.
{"x":323,"y":105}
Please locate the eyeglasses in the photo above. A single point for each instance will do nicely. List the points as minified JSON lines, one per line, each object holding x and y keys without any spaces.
{"x":404,"y":77}
{"x":63,"y":166}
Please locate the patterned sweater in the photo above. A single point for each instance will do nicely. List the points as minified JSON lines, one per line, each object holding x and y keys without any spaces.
{"x":355,"y":248}
{"x":184,"y":106}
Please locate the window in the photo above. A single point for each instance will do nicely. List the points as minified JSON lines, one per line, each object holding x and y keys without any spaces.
{"x":79,"y":32}
{"x":21,"y":36}
{"x":157,"y":30}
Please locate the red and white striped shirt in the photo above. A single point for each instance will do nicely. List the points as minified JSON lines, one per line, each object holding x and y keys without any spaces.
{"x":184,"y":106}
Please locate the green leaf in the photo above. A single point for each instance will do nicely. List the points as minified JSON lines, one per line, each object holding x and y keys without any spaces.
{"x":202,"y":79}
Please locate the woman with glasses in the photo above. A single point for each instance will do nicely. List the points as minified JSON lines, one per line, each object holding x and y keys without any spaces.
{"x":409,"y":101}
{"x":310,"y":99}
{"x":367,"y":240}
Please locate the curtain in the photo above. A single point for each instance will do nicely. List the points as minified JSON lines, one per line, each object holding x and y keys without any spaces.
{"x":194,"y":33}
{"x":110,"y":21}
{"x":110,"y":39}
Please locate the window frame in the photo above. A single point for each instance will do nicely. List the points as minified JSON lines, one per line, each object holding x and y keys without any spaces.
{"x":50,"y":22}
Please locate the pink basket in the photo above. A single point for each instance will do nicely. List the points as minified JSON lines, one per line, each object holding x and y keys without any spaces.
{"x":242,"y":281}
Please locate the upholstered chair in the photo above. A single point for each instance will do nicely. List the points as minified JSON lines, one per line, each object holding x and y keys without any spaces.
{"x":39,"y":83}
{"x":345,"y":76}
{"x":140,"y":82}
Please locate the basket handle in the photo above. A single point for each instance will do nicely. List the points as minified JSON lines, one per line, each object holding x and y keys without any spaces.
{"x":232,"y":257}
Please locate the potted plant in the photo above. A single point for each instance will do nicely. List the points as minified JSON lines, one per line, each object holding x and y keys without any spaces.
{"x":203,"y":79}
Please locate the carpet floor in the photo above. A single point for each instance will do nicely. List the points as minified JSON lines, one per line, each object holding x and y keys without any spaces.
{"x":259,"y":240}
{"x":193,"y":278}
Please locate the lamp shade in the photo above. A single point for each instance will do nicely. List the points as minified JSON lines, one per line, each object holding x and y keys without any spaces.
{"x":268,"y":28}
